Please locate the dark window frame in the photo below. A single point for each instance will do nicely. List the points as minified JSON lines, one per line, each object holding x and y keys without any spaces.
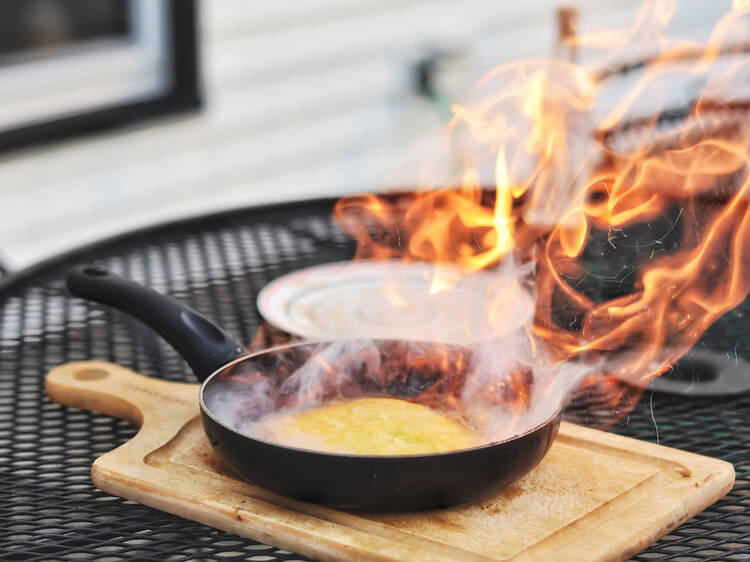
{"x":182,"y":95}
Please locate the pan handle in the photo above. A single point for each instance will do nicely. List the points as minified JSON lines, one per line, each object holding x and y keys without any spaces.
{"x":204,"y":345}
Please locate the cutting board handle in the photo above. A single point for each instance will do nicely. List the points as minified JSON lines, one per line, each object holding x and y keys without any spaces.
{"x":110,"y":389}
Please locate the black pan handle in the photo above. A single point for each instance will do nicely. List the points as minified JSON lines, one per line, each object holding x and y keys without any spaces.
{"x":204,"y":345}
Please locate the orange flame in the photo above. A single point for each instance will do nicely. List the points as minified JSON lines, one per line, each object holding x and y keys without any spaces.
{"x":549,"y":128}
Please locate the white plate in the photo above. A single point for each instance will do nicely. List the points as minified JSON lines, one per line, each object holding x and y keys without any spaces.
{"x":392,"y":299}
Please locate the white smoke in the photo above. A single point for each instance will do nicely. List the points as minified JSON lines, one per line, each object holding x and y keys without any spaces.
{"x":508,"y":386}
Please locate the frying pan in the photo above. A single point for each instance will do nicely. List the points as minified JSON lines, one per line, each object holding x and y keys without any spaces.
{"x":355,"y":482}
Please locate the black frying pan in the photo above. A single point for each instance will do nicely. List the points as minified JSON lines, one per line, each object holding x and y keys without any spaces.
{"x":358,"y":482}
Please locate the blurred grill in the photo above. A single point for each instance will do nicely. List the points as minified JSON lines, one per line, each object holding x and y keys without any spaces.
{"x":50,"y":508}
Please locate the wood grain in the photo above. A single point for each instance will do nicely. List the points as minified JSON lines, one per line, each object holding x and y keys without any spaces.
{"x":596,"y":496}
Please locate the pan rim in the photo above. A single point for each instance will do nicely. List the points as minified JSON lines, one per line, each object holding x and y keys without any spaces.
{"x":555,"y":416}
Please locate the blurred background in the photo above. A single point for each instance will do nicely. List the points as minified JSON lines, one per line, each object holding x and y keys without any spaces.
{"x":119,"y":114}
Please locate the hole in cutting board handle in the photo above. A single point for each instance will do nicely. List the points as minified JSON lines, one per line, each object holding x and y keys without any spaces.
{"x":90,"y":374}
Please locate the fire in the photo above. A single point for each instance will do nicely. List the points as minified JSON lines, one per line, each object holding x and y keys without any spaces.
{"x":551,"y":132}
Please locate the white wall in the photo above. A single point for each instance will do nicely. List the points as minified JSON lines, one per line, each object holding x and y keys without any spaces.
{"x":304,"y":98}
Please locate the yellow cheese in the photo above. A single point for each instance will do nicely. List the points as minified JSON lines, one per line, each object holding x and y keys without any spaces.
{"x":371,"y":426}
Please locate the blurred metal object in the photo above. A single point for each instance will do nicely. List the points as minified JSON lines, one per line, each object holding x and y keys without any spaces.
{"x":425,"y":73}
{"x":702,"y":371}
{"x":705,"y":372}
{"x":567,"y":30}
{"x":440,"y":76}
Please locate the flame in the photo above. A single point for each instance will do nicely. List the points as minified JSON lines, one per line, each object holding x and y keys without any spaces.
{"x":550,"y":130}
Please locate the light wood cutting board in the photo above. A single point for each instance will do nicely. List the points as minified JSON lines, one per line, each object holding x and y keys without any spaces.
{"x":595,"y":496}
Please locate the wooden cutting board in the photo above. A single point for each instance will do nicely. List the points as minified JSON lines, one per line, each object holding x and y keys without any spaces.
{"x":595,"y":496}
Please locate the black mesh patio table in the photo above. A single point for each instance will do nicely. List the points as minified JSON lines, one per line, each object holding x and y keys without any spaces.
{"x":217,"y":264}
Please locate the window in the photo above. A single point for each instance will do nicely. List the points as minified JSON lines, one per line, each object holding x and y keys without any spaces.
{"x":69,"y":67}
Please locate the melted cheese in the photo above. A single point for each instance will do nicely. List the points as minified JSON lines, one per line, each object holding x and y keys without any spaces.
{"x":371,"y":426}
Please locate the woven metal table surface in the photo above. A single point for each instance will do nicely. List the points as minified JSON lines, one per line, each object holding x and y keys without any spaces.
{"x":50,"y":508}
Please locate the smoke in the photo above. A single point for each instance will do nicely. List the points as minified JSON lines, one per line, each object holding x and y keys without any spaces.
{"x":512,"y":388}
{"x":501,"y":386}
